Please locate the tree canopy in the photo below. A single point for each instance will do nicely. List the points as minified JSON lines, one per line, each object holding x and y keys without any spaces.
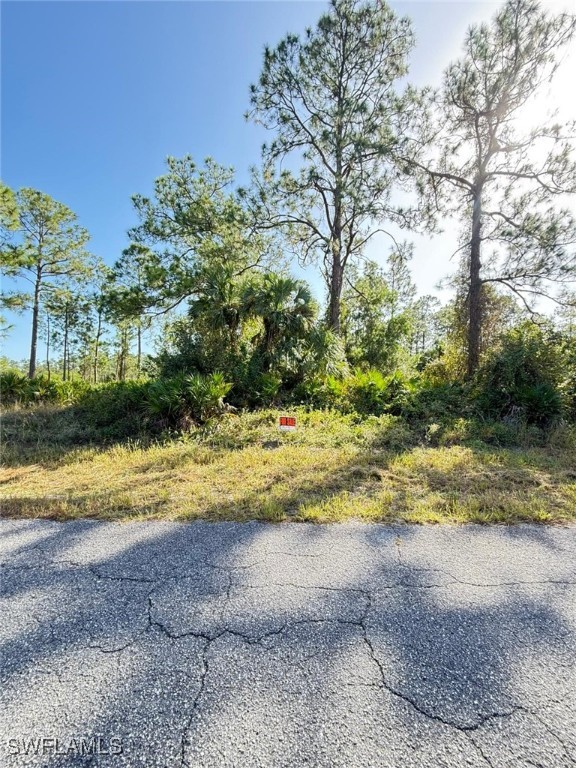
{"x":499,"y":174}
{"x":331,"y":101}
{"x":45,"y":248}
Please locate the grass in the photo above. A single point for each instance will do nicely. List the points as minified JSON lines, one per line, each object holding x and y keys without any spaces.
{"x":333,"y":468}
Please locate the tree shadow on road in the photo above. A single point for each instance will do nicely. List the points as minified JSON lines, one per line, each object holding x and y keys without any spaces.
{"x":209,"y":644}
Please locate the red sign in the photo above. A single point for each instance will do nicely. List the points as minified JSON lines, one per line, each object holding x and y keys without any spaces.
{"x":287,"y":422}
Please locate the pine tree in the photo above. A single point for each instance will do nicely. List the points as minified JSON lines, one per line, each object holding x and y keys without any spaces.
{"x":46,"y":248}
{"x":496,"y":172}
{"x":330,"y":99}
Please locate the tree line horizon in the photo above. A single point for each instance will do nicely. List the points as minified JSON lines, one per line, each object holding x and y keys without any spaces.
{"x":210,"y":259}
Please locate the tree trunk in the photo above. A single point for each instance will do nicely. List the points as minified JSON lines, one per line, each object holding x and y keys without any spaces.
{"x":48,"y":344}
{"x":123,"y":355}
{"x":35,"y":314}
{"x":65,"y":344}
{"x":337,"y":274}
{"x":335,"y":293}
{"x":96,"y":346}
{"x":475,"y":287}
{"x":139,"y":359}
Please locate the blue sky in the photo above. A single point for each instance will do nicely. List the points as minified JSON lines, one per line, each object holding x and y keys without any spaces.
{"x":96,"y":94}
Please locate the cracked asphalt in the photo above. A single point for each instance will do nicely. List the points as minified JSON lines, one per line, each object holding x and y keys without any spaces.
{"x":287,"y":645}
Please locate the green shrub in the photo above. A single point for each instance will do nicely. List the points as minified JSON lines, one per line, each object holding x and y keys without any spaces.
{"x":429,"y":400}
{"x":521,"y":380}
{"x":399,"y":392}
{"x":541,"y":402}
{"x":116,"y":408}
{"x":257,"y":389}
{"x":43,"y":432}
{"x":478,"y":431}
{"x":67,"y":392}
{"x":164,"y":400}
{"x":371,"y":393}
{"x":183,"y":400}
{"x":14,"y":388}
{"x":562,"y":437}
{"x":308,"y":392}
{"x":390,"y":432}
{"x":319,"y":392}
{"x":122,"y":409}
{"x":17,"y":388}
{"x":567,"y":345}
{"x":366,"y":392}
{"x":205,"y":395}
{"x":43,"y":390}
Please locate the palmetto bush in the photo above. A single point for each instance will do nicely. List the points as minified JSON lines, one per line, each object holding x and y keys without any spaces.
{"x":163,"y":400}
{"x":182,"y":400}
{"x":40,"y":389}
{"x":17,"y":388}
{"x":204,"y":395}
{"x":66,"y":392}
{"x":14,"y":388}
{"x":367,"y":392}
{"x":523,"y":378}
{"x":542,"y":402}
{"x":175,"y":402}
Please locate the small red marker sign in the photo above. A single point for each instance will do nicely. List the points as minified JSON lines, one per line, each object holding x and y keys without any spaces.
{"x":287,"y":423}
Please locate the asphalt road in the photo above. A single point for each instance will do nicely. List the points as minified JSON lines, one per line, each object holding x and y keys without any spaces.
{"x":238,"y":645}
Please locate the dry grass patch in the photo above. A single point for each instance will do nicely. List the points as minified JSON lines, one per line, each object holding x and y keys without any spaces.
{"x":333,"y":468}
